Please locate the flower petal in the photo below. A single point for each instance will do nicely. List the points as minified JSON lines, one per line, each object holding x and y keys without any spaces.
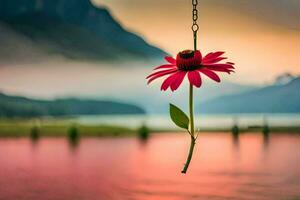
{"x":214,"y":60}
{"x":210,"y":74}
{"x":161,"y":74}
{"x":195,"y":78}
{"x":170,"y":60}
{"x":179,"y":78}
{"x":213,"y":55}
{"x":219,"y":69}
{"x":217,"y":54}
{"x":227,"y":66}
{"x":166,"y":84}
{"x":164,"y":66}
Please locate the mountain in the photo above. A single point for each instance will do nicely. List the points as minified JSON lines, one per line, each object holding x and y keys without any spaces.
{"x":155,"y":101}
{"x":72,"y":28}
{"x":272,"y":99}
{"x":15,"y":106}
{"x":284,"y":79}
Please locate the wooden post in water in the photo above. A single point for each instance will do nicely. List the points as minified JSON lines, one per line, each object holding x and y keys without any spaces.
{"x":143,"y":132}
{"x":73,"y":133}
{"x":34,"y":133}
{"x":73,"y":136}
{"x":265,"y":128}
{"x":235,"y":128}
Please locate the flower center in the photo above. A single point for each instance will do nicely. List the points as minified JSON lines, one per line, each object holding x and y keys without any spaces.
{"x":186,"y":54}
{"x":188,"y":60}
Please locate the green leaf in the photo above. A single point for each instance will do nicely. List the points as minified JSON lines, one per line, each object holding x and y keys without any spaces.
{"x":179,"y":117}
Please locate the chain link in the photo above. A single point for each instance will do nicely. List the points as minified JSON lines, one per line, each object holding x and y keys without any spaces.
{"x":195,"y":26}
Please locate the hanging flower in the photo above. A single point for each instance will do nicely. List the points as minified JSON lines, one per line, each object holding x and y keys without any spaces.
{"x":191,"y":63}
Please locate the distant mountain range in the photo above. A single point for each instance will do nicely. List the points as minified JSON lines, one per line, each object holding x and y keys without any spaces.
{"x":278,"y":98}
{"x":155,"y":101}
{"x":15,"y":106}
{"x":72,"y":28}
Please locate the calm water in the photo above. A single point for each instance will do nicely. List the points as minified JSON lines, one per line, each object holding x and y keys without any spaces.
{"x":244,"y":168}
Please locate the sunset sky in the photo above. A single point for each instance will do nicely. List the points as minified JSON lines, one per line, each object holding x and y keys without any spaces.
{"x":259,"y":39}
{"x":261,"y":36}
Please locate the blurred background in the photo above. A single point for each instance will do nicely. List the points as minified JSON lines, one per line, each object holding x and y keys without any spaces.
{"x":94,"y":50}
{"x":77,"y":68}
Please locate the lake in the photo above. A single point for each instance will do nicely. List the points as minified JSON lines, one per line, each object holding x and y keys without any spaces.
{"x":248,"y":167}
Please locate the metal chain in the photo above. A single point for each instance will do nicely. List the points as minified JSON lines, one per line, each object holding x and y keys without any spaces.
{"x":195,"y":26}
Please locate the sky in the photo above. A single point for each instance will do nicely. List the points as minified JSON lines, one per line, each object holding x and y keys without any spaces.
{"x":259,"y":37}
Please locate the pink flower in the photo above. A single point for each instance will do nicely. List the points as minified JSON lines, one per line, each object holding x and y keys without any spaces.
{"x":192,"y":64}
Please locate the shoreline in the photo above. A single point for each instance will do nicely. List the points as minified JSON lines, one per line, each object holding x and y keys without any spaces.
{"x":61,"y":128}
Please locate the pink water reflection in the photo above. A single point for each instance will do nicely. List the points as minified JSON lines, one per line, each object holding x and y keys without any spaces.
{"x":248,"y":167}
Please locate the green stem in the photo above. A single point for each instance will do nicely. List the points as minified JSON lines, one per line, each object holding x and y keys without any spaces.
{"x":195,"y":41}
{"x":192,"y":131}
{"x":191,"y":106}
{"x":189,"y":158}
